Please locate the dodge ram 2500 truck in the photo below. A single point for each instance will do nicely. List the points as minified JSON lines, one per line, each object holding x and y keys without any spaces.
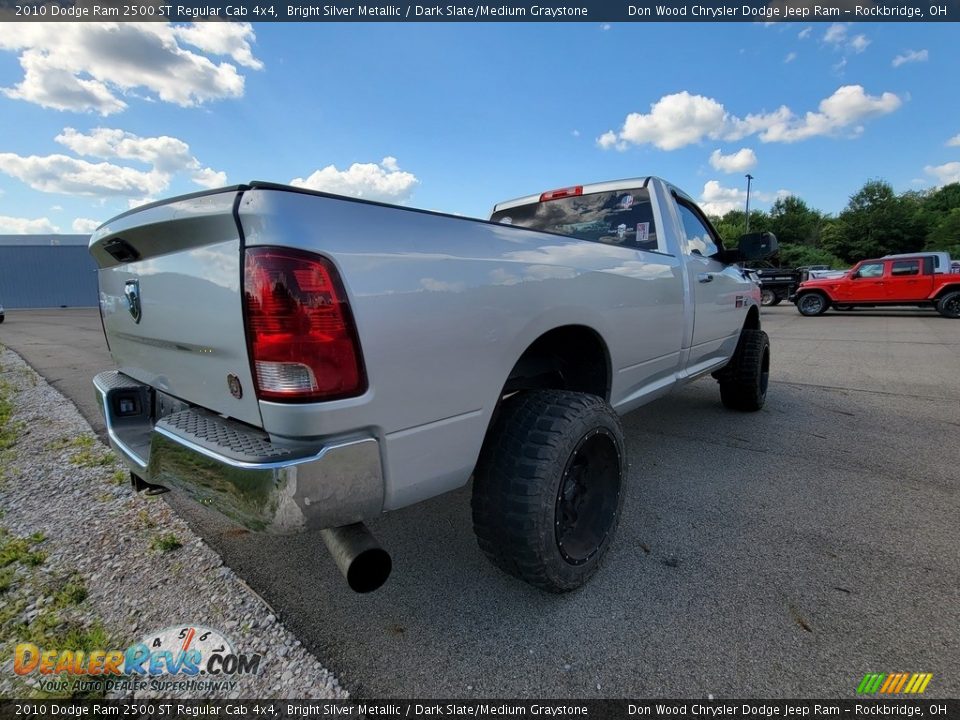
{"x":300,"y":360}
{"x":899,"y":280}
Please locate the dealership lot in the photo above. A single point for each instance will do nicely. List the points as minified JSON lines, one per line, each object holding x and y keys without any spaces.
{"x":783,"y":553}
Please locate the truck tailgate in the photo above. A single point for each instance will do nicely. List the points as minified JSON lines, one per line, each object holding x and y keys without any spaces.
{"x":170,"y":296}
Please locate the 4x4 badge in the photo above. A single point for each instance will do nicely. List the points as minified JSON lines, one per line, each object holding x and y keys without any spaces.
{"x":132,"y":290}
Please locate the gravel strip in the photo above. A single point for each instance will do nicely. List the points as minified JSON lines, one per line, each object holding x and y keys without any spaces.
{"x":91,"y":556}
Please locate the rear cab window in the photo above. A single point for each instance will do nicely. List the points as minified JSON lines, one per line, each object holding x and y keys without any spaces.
{"x":615,"y":217}
{"x":900,"y":268}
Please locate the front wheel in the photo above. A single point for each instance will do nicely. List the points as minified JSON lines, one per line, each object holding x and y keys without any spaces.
{"x":768,"y":297}
{"x":744,"y":381}
{"x":812,"y":303}
{"x":949,"y":305}
{"x":548,"y":488}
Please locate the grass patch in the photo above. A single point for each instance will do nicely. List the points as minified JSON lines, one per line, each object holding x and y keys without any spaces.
{"x":168,"y":542}
{"x":119,"y":477}
{"x":148,"y":522}
{"x":89,"y":453}
{"x":73,"y":592}
{"x":20,"y":550}
{"x":6,"y":579}
{"x":60,"y":443}
{"x":9,"y":430}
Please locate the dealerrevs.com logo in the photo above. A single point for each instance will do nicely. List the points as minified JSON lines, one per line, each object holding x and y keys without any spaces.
{"x":178,"y":658}
{"x":894,"y":683}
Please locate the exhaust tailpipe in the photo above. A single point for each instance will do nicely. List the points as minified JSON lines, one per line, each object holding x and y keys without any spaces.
{"x":358,"y":555}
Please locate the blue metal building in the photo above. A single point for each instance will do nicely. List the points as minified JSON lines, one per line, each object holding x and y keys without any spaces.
{"x":43,"y":271}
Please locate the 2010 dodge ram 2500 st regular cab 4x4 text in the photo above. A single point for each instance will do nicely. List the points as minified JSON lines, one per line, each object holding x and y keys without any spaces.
{"x":302,"y":360}
{"x":900,"y":280}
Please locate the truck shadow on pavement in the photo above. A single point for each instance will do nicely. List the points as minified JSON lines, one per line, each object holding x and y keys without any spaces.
{"x":761,"y":542}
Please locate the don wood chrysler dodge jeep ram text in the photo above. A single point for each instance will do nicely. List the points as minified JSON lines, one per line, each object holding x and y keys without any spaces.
{"x":301,"y":360}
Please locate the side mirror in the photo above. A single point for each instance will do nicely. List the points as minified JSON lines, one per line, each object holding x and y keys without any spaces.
{"x":757,"y":246}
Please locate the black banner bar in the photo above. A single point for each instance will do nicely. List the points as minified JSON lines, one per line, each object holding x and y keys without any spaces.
{"x":420,"y":709}
{"x":467,"y":11}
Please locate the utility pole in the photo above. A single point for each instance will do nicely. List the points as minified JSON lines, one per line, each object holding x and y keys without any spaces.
{"x":749,"y":178}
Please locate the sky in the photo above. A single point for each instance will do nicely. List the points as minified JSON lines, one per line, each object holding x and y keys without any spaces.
{"x":98,"y":118}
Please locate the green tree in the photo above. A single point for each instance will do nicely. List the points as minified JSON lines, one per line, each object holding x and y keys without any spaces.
{"x":945,"y":235}
{"x":877,"y":222}
{"x":795,"y":223}
{"x":733,"y":224}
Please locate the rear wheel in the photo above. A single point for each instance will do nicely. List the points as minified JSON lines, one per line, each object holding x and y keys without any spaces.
{"x":768,"y":297}
{"x":547,"y":492}
{"x":744,"y":381}
{"x":949,"y":305}
{"x":812,"y":303}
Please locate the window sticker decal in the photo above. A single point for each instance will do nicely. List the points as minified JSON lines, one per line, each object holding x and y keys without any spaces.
{"x":643,"y":233}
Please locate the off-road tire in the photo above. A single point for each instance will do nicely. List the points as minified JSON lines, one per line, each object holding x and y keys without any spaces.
{"x":528,"y":484}
{"x":806,"y":305}
{"x":768,"y":297}
{"x":744,"y":381}
{"x":777,"y":300}
{"x":949,"y":304}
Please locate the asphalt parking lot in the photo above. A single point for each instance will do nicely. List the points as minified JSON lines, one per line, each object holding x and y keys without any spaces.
{"x":783,"y":553}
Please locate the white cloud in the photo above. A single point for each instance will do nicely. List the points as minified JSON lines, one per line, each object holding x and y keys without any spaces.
{"x":607,"y":140}
{"x":954,"y":141}
{"x":859,"y":43}
{"x":67,"y":175}
{"x":835,"y":34}
{"x":673,"y":122}
{"x":209,"y":178}
{"x":222,"y":38}
{"x":90,"y":67}
{"x":790,"y":57}
{"x":740,"y":161}
{"x":85,"y":226}
{"x":167,"y":155}
{"x":805,"y":33}
{"x":371,"y":181}
{"x":719,"y":200}
{"x":575,"y":132}
{"x":839,"y":37}
{"x":606,"y":26}
{"x":683,"y":119}
{"x":945,"y":174}
{"x":26,"y":226}
{"x":164,"y":153}
{"x":137,"y":202}
{"x":910,"y":56}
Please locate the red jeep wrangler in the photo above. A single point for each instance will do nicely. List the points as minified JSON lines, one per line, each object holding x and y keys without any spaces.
{"x":883,"y":282}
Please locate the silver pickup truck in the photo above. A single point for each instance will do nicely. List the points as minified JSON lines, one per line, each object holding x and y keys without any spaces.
{"x":301,"y":360}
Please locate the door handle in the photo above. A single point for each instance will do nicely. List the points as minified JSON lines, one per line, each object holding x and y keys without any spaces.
{"x":705,"y":277}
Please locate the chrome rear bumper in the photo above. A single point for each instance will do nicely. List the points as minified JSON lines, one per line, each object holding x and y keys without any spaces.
{"x":237,"y":469}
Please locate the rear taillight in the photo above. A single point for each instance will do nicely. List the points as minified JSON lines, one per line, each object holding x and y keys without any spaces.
{"x":562,"y":193}
{"x":303,"y":341}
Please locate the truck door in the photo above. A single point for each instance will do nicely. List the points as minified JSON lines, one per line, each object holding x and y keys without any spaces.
{"x":716,"y":287}
{"x":867,"y":284}
{"x":907,"y":280}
